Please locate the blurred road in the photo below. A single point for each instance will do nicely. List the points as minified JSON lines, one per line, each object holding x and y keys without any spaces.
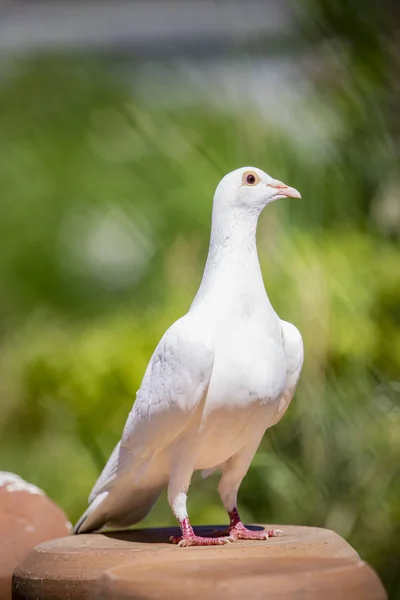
{"x":27,"y":25}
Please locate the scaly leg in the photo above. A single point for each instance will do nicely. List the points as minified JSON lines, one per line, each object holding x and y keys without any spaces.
{"x":232,"y":476}
{"x":177,"y":490}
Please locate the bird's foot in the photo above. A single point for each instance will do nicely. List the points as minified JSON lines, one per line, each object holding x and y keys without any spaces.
{"x":240,"y":532}
{"x":197,"y":540}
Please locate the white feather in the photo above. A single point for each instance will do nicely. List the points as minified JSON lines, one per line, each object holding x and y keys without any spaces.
{"x":220,"y":376}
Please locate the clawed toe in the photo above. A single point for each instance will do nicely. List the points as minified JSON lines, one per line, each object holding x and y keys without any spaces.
{"x":240,"y":532}
{"x":174,"y":539}
{"x":225,"y":540}
{"x":275,"y":533}
{"x":229,"y":539}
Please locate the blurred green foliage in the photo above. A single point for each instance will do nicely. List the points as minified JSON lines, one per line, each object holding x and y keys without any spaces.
{"x":105,"y":216}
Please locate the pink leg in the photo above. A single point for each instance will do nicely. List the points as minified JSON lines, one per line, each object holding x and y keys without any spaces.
{"x":189,"y":538}
{"x":238,"y":531}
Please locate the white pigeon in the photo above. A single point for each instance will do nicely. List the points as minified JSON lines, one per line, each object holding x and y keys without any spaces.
{"x":219,"y":378}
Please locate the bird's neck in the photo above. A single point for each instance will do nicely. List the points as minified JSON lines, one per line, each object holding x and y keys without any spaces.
{"x":232,"y":270}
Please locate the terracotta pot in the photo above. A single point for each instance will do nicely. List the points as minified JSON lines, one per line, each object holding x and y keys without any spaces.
{"x":252,"y":578}
{"x":27,"y":518}
{"x":69,"y":567}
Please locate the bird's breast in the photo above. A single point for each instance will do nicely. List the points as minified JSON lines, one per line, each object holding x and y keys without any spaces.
{"x":249,"y":368}
{"x":242,"y":400}
{"x":247,"y":382}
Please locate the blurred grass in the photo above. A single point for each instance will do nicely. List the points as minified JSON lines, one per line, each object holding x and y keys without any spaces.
{"x":104,"y":228}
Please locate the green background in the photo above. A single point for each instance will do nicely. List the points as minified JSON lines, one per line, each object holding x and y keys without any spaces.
{"x":105,"y":217}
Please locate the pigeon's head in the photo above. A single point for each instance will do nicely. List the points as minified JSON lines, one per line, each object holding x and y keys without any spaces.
{"x":252,"y":189}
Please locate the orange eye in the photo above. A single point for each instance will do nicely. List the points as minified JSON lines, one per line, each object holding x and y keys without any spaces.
{"x":250,"y":178}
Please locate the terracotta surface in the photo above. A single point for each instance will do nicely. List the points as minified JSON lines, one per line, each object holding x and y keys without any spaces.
{"x":27,"y":518}
{"x":69,"y":567}
{"x":242,"y":577}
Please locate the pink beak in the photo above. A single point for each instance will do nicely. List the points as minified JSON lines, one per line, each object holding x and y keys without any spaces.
{"x":284,"y":190}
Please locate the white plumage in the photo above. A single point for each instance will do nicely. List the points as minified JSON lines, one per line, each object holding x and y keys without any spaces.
{"x":220,"y":376}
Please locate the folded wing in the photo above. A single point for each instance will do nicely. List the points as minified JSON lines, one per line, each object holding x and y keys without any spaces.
{"x":294,"y":355}
{"x":172,"y":390}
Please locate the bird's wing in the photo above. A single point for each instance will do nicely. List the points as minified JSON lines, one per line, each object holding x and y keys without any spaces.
{"x":174,"y":384}
{"x":294,"y":355}
{"x":116,"y":461}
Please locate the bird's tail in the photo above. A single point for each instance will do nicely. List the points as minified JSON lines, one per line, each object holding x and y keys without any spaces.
{"x":118,"y":508}
{"x":88,"y":521}
{"x":122,"y":495}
